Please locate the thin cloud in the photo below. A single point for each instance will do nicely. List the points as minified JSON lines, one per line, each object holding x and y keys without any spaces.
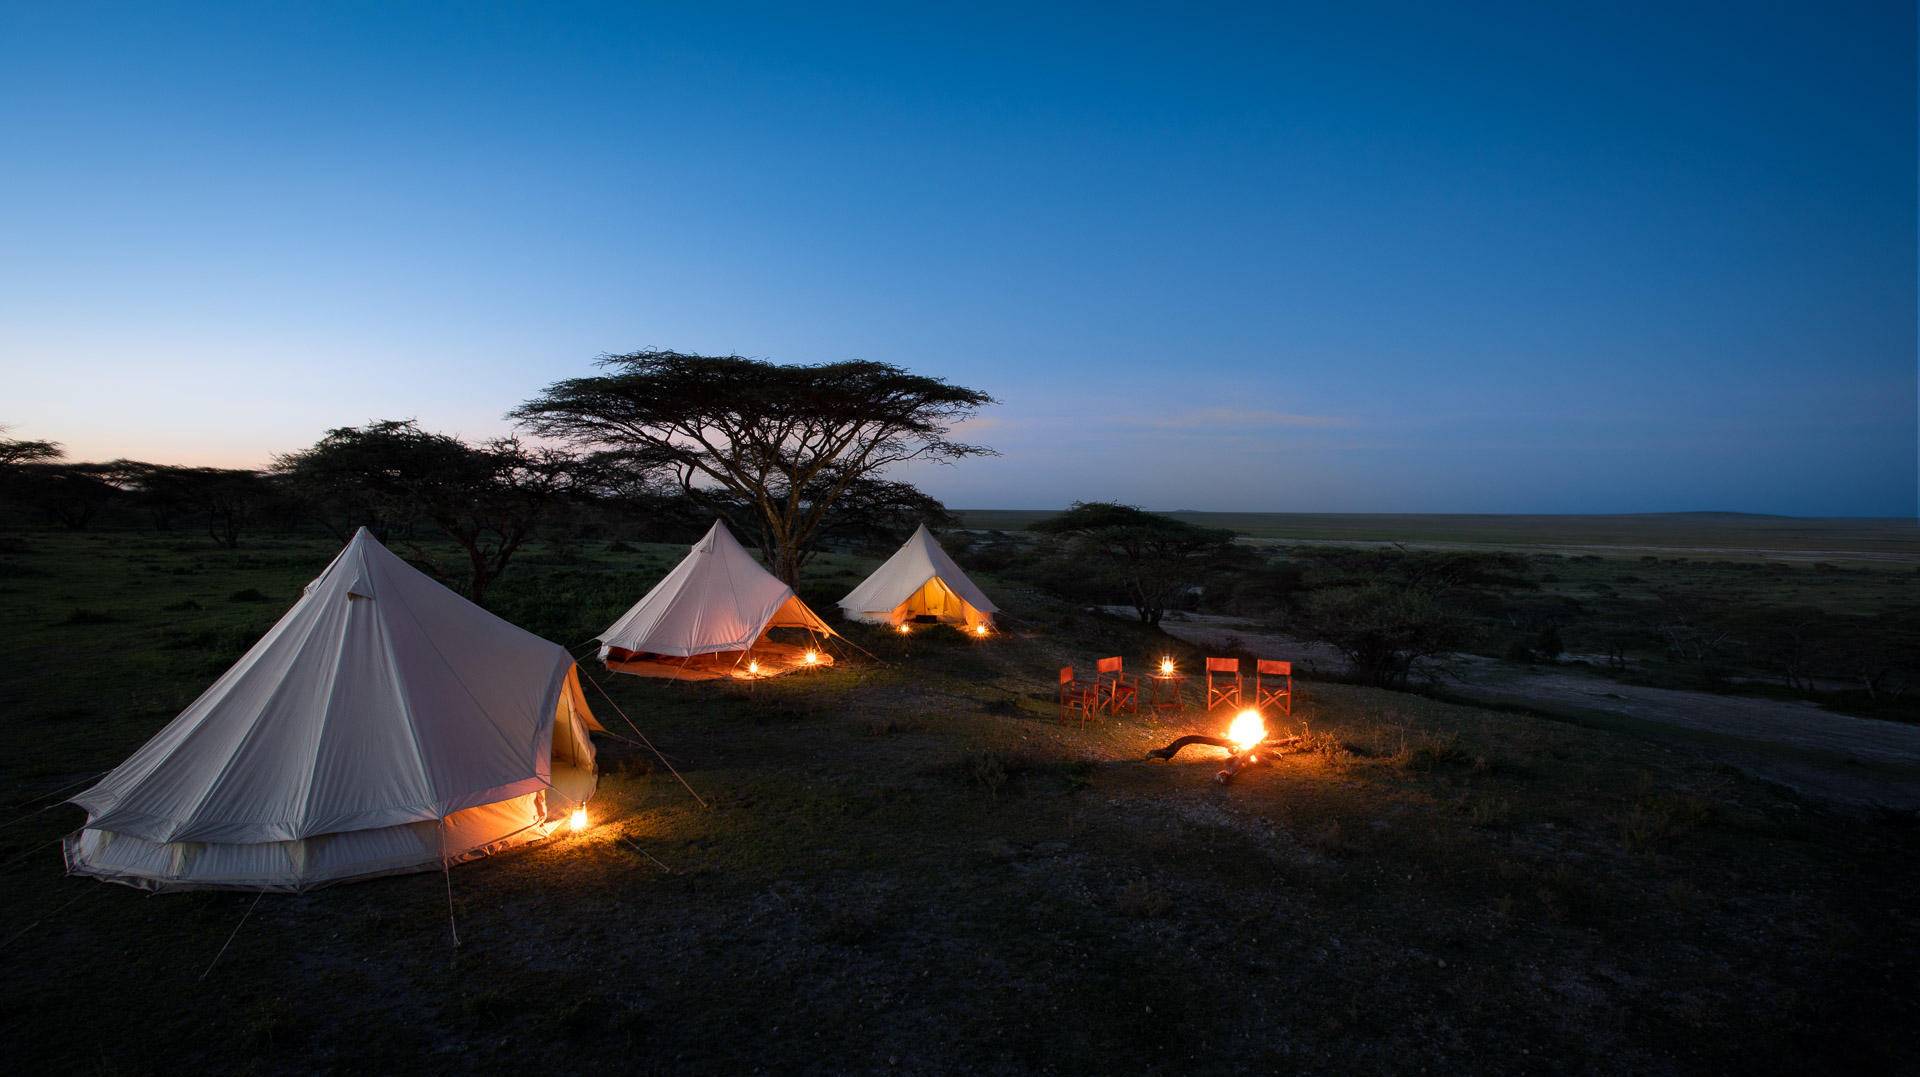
{"x":1242,"y":419}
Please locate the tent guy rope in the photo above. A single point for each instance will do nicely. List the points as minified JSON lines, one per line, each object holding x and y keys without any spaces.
{"x":56,"y":792}
{"x":446,"y":875}
{"x":236,"y":932}
{"x":33,"y":850}
{"x":48,"y":916}
{"x":648,"y":855}
{"x":53,"y":805}
{"x":644,"y":740}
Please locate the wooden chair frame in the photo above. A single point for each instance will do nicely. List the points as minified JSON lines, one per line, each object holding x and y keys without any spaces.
{"x":1281,"y":695}
{"x":1077,"y":695}
{"x":1228,"y":692}
{"x":1117,"y":688}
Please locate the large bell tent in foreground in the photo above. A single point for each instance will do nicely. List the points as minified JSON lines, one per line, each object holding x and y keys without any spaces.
{"x":918,"y":581}
{"x":383,"y":725}
{"x":709,"y":618}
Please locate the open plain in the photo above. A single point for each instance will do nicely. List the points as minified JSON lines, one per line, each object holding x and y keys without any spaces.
{"x":906,"y":864}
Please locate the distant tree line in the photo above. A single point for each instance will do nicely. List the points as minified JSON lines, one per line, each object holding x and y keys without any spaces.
{"x":655,"y":449}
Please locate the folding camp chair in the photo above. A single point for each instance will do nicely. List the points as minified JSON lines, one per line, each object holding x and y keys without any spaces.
{"x":1077,"y":695}
{"x":1280,"y":695}
{"x":1117,"y":689}
{"x":1227,"y":691}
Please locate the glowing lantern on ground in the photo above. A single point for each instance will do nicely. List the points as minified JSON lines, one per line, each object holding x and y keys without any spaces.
{"x":1247,"y":730}
{"x":579,"y":818}
{"x":904,"y":630}
{"x":813,"y":657}
{"x":979,"y":630}
{"x":753,"y":666}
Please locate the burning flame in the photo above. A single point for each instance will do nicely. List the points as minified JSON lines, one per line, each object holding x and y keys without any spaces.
{"x":813,"y":657}
{"x":1166,"y":666}
{"x":579,"y":818}
{"x":1248,"y":730}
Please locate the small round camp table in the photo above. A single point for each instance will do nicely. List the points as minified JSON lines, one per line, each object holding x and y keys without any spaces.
{"x":1173,"y":683}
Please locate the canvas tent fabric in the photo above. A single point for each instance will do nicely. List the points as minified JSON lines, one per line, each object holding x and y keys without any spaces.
{"x":383,"y":725}
{"x":919,"y":580}
{"x":717,"y":599}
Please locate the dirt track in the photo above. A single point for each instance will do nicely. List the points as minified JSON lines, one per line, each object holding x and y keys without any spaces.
{"x":1795,"y":743}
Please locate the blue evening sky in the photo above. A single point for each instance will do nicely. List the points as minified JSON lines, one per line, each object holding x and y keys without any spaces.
{"x":1413,"y":257}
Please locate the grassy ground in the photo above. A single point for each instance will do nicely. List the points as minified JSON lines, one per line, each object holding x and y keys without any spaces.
{"x":1724,"y":534}
{"x":909,"y":866}
{"x":1847,"y":588}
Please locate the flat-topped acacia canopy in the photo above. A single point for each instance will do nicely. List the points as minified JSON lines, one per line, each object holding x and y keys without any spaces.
{"x":789,"y":440}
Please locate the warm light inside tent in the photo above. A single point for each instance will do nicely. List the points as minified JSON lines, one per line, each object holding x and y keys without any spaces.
{"x":579,"y":818}
{"x":813,"y":657}
{"x":753,"y":666}
{"x":979,"y":630}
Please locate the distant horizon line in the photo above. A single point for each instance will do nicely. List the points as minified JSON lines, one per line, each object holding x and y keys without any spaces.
{"x":1504,"y":515}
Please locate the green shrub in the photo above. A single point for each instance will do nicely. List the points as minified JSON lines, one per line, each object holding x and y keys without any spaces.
{"x":987,"y":771}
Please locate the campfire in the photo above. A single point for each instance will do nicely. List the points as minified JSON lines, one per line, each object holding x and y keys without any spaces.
{"x":1245,"y":738}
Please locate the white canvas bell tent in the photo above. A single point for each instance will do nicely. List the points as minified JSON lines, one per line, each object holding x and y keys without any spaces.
{"x":919,"y":580}
{"x":716,"y":604}
{"x":384,"y":725}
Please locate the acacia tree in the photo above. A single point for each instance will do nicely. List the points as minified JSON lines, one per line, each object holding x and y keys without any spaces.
{"x":70,"y":494}
{"x":1381,"y":628}
{"x":876,"y":512}
{"x":21,"y":451}
{"x":226,"y":499}
{"x":1154,"y":557}
{"x":33,"y":474}
{"x":787,"y":441}
{"x":1386,"y":609}
{"x":488,"y":498}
